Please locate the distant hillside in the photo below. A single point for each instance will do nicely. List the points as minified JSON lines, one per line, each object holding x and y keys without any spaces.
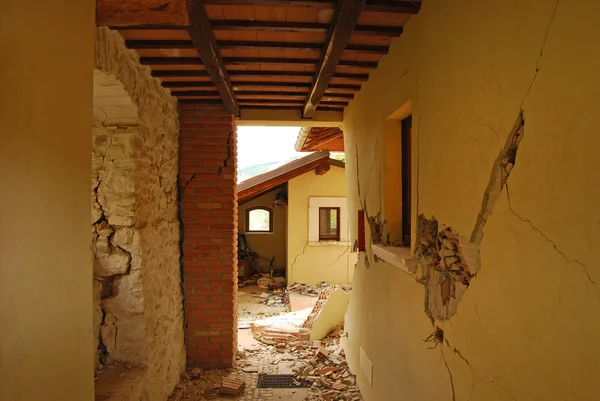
{"x":256,"y":169}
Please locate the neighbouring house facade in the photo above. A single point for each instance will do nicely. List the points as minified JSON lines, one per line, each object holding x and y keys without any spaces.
{"x":302,"y":223}
{"x":471,"y":183}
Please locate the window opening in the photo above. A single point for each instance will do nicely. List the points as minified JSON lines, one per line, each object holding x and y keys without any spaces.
{"x":406,"y":180}
{"x":259,"y":220}
{"x":329,"y":224}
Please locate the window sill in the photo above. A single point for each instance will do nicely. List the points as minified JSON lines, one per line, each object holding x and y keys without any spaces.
{"x":400,"y":257}
{"x":329,"y":243}
{"x":258,"y":232}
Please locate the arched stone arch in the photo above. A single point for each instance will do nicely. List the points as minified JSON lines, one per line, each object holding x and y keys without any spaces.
{"x":134,"y":213}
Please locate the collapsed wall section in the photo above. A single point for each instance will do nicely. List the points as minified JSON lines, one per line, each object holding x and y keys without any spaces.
{"x":138,"y":312}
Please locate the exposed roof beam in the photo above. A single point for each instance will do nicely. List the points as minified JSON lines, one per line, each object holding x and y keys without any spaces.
{"x":198,"y":93}
{"x":297,"y":85}
{"x":278,"y":26}
{"x":297,"y":61}
{"x":404,"y":7}
{"x":278,"y":107}
{"x":253,"y":73}
{"x":288,"y":101}
{"x":344,"y":22}
{"x":233,"y":44}
{"x":189,"y":84}
{"x":205,"y":43}
{"x":251,"y":60}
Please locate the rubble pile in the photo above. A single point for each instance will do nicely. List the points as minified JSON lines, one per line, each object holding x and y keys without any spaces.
{"x":324,"y":364}
{"x":321,"y":363}
{"x":306,"y":289}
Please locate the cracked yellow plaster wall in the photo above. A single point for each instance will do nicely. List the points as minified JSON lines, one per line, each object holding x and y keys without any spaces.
{"x":46,"y":340}
{"x":526,"y":328}
{"x":312,"y":264}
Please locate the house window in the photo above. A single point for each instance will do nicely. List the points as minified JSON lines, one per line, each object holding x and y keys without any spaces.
{"x":327,"y":221}
{"x":259,"y":219}
{"x":406,"y":179}
{"x":329,"y":224}
{"x":397,"y":176}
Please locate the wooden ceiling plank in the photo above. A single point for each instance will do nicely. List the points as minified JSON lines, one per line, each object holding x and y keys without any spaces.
{"x":279,"y":26}
{"x":188,"y":84}
{"x":343,"y":24}
{"x":159,"y":44}
{"x":202,"y":36}
{"x":388,"y":6}
{"x":259,"y":73}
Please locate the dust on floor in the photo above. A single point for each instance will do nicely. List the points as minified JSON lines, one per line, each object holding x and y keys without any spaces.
{"x":252,"y":304}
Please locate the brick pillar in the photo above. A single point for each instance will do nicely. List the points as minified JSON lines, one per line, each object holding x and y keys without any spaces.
{"x":208,"y":208}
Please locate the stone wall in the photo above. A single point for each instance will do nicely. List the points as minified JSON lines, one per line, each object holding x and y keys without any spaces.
{"x":208,"y":199}
{"x":135,"y":221}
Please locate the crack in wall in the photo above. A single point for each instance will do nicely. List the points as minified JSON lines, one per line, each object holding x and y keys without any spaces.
{"x":551,"y":242}
{"x":338,"y":258}
{"x":501,"y":170}
{"x":539,"y":60}
{"x":185,"y":185}
{"x":482,"y":123}
{"x":475,"y":377}
{"x":296,"y":259}
{"x":449,"y":374}
{"x":479,"y":322}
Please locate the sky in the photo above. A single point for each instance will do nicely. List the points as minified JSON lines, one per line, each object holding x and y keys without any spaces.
{"x":257,"y":145}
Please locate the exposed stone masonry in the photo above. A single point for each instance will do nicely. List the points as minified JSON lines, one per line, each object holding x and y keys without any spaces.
{"x":138,"y":310}
{"x":448,"y":263}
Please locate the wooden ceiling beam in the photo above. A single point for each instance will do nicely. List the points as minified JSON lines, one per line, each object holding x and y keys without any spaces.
{"x":189,"y":84}
{"x":179,"y":74}
{"x":254,"y":73}
{"x":322,"y":169}
{"x":195,"y":93}
{"x":344,"y":23}
{"x":200,"y":93}
{"x":296,"y":61}
{"x":232,"y":44}
{"x":280,"y":26}
{"x":403,"y":7}
{"x":240,"y":44}
{"x":251,"y":60}
{"x":297,"y":85}
{"x":201,"y":33}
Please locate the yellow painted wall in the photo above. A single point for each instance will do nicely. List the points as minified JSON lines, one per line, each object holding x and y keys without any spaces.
{"x":528,"y":324}
{"x":46,"y":339}
{"x":267,"y":245}
{"x":307,"y":263}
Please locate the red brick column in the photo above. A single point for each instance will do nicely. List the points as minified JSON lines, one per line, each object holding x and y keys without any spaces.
{"x":208,"y":208}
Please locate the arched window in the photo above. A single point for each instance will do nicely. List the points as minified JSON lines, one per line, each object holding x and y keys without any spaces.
{"x":259,"y":219}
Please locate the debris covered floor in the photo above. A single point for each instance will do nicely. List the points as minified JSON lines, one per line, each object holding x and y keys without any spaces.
{"x":320,"y":364}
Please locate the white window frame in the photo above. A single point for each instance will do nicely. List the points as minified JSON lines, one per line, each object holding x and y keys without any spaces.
{"x":313,"y":219}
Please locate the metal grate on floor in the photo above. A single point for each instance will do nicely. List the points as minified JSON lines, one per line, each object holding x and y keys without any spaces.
{"x":281,"y":381}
